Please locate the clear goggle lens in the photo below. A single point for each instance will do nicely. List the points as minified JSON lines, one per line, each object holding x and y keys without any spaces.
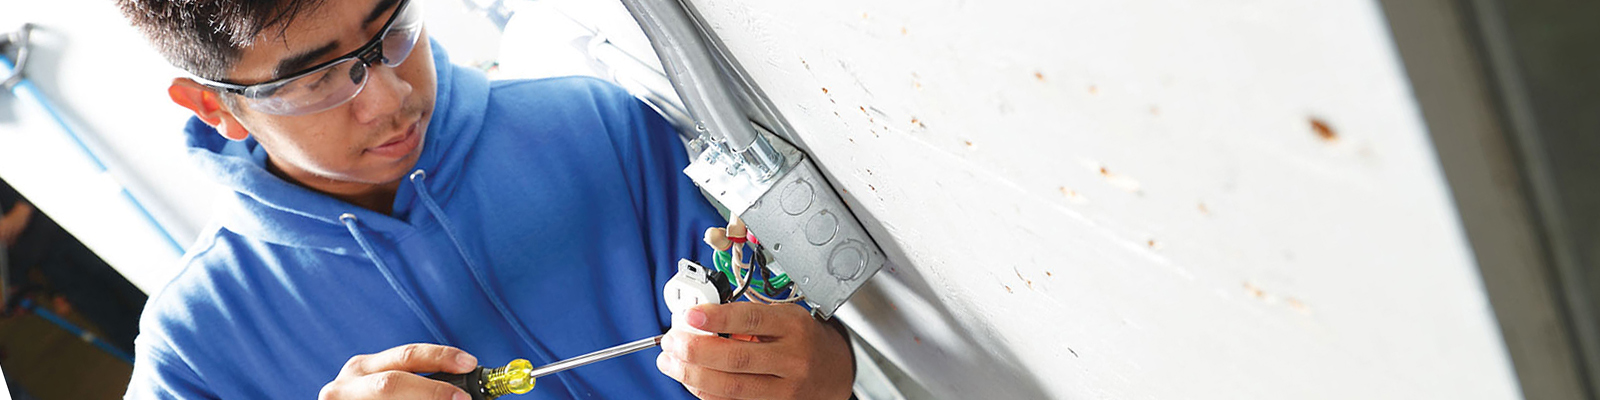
{"x":337,"y":83}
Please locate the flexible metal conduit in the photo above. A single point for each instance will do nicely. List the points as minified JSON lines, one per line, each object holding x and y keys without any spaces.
{"x":694,"y":74}
{"x":699,"y":83}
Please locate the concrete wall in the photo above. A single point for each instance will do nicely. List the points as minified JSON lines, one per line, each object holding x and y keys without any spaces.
{"x":1146,"y":199}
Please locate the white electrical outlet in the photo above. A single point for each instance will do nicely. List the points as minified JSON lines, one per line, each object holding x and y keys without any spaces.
{"x":688,"y":288}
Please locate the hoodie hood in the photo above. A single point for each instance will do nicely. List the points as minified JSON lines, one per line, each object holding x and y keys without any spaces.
{"x":262,"y":206}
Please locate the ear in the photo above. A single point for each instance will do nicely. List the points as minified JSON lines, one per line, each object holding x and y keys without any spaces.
{"x":206,"y":105}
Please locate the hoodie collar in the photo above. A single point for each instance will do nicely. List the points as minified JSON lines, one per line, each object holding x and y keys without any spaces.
{"x":259,"y":205}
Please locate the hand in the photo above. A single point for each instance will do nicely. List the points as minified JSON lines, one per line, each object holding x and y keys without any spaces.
{"x":794,"y":356}
{"x":392,"y":374}
{"x":9,"y":233}
{"x":14,"y":221}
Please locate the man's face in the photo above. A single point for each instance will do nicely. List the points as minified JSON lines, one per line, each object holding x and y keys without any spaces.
{"x":373,"y":139}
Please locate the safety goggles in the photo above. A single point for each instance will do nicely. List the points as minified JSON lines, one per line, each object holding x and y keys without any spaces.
{"x":330,"y":84}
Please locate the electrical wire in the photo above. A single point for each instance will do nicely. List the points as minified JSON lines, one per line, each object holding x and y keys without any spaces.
{"x":744,"y":283}
{"x":756,"y":295}
{"x":743,"y":274}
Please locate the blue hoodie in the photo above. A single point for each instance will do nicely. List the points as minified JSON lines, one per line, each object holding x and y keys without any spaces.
{"x":541,"y":222}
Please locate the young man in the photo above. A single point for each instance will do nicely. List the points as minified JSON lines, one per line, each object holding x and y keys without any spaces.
{"x":391,"y":215}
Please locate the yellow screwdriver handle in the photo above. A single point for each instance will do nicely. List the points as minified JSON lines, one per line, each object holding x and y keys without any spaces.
{"x":515,"y":377}
{"x":488,"y":383}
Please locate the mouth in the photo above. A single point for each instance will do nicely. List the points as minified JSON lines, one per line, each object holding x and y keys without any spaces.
{"x":399,"y":146}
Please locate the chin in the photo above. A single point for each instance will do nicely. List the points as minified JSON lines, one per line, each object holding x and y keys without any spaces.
{"x":401,"y":172}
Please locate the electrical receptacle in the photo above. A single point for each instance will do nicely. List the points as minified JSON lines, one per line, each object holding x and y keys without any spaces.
{"x":691,"y":286}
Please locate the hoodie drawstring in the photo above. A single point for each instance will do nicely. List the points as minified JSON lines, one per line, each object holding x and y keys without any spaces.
{"x":417,"y":180}
{"x":349,"y":221}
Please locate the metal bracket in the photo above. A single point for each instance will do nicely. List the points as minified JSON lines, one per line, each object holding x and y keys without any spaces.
{"x":19,"y":39}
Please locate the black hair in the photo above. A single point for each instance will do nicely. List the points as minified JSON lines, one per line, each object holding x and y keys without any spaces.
{"x":205,"y":37}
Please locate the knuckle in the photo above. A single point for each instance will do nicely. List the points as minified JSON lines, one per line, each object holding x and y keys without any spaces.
{"x":754,"y":321}
{"x":690,"y":375}
{"x":327,"y":392}
{"x":409,"y":354}
{"x":353,"y":365}
{"x":386,"y":383}
{"x":740,"y":360}
{"x":699,"y":348}
{"x":735,"y":388}
{"x":692,"y":349}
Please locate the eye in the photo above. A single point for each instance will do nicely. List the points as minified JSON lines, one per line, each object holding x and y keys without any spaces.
{"x":321,"y":79}
{"x":267,"y":91}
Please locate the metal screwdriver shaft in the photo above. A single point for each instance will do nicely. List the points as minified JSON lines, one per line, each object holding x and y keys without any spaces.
{"x":606,"y":354}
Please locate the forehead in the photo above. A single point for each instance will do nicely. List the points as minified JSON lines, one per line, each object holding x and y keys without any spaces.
{"x":335,"y":22}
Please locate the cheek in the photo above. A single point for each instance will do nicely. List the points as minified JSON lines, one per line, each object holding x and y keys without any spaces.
{"x":418,"y":71}
{"x":314,"y":145}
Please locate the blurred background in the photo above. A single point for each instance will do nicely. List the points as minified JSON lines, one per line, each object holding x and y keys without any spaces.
{"x":1143,"y":199}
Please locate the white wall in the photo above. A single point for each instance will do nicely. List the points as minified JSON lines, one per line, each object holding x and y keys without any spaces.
{"x":1132,"y":199}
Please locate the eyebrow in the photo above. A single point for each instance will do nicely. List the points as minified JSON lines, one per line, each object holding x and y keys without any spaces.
{"x":377,"y":11}
{"x":295,"y":63}
{"x":299,"y":61}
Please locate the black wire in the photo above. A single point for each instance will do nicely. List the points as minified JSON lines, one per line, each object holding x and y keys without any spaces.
{"x":737,"y":292}
{"x":759,"y":263}
{"x":768,"y":275}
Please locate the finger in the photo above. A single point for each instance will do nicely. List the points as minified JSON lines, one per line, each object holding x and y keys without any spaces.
{"x":672,"y":368}
{"x":729,"y":355}
{"x":415,"y":357}
{"x":718,"y":384}
{"x":748,"y":318}
{"x":391,"y":385}
{"x":703,"y":395}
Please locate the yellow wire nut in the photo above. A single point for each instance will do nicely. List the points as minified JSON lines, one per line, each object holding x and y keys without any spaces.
{"x":515,"y":377}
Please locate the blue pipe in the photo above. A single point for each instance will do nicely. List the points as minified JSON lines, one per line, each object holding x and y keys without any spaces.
{"x":76,"y":331}
{"x":100,"y":166}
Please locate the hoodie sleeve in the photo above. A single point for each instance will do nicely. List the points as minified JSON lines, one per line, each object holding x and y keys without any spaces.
{"x":674,"y":212}
{"x":160,"y":368}
{"x":158,"y":373}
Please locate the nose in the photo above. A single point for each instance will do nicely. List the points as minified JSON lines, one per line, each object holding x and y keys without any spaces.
{"x":383,"y":95}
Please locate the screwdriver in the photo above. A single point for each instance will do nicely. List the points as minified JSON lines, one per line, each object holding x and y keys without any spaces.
{"x":518,"y":375}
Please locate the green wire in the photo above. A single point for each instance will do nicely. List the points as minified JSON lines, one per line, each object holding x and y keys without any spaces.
{"x":724,"y":261}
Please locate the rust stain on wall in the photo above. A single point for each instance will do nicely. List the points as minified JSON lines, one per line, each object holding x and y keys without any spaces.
{"x":1323,"y":130}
